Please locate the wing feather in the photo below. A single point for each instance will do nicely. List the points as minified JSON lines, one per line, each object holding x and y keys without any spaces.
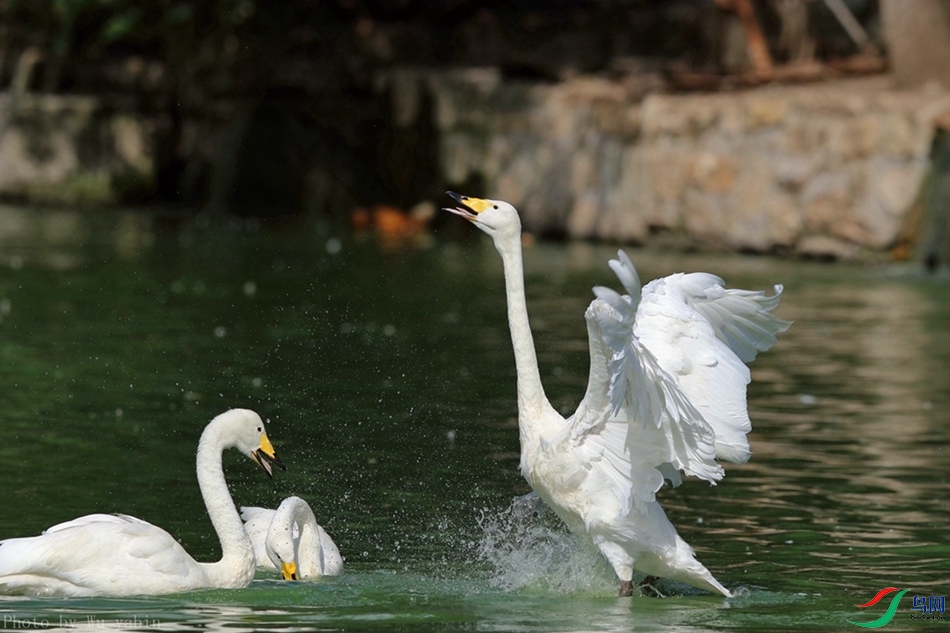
{"x":667,"y":383}
{"x":256,"y":523}
{"x":703,"y":334}
{"x":117,"y":520}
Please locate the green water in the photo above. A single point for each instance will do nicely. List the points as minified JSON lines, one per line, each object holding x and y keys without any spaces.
{"x":387,"y":378}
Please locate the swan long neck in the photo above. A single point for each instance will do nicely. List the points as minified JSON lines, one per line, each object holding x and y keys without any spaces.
{"x":532,"y":403}
{"x":236,"y":567}
{"x":309,"y":544}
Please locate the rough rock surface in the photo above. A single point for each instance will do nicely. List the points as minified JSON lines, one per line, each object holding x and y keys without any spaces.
{"x":825,"y":169}
{"x":70,"y":149}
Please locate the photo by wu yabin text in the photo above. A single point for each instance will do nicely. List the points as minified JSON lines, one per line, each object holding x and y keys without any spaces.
{"x":13,"y":622}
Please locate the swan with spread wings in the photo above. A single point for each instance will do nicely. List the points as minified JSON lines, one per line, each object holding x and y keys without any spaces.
{"x":666,"y":395}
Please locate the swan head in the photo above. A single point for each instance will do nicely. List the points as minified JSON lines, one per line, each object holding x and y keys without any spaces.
{"x":282,"y":551}
{"x":496,"y":217}
{"x":280,"y":544}
{"x":247,"y":432}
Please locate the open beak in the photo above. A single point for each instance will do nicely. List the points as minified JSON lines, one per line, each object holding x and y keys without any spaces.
{"x":289,"y":571}
{"x":265,"y":456}
{"x":468,"y":208}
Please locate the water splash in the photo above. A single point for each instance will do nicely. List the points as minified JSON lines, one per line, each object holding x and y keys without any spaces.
{"x":527,"y":547}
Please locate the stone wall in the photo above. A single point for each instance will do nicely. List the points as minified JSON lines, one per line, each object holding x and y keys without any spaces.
{"x":826,"y":169}
{"x":57,"y":149}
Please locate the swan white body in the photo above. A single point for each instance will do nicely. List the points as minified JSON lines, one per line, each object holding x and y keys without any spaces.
{"x":666,"y":394}
{"x":290,"y":540}
{"x":119,"y":555}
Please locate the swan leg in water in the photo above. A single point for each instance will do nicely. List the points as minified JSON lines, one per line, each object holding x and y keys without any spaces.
{"x":290,"y":540}
{"x":666,"y":395}
{"x":648,"y":587}
{"x":119,"y":555}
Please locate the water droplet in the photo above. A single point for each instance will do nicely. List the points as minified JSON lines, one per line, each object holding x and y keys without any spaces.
{"x":807,"y":399}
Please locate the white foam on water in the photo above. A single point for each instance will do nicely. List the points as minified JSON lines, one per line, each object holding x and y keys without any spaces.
{"x":526,"y":546}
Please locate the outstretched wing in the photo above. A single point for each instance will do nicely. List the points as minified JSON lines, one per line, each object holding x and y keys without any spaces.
{"x":703,"y":334}
{"x":667,"y":391}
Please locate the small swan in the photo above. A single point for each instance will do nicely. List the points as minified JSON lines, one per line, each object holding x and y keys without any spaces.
{"x":289,"y":539}
{"x":119,"y":555}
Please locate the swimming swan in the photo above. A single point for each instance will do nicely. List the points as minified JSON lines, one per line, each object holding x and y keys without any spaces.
{"x":666,"y":393}
{"x":289,"y":539}
{"x":119,"y":555}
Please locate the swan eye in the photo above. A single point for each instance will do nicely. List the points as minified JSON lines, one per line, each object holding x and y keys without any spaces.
{"x":258,"y":429}
{"x":494,"y":206}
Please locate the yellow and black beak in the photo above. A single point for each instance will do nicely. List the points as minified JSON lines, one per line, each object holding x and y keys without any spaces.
{"x":265,"y":456}
{"x":289,"y":571}
{"x":469,"y":207}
